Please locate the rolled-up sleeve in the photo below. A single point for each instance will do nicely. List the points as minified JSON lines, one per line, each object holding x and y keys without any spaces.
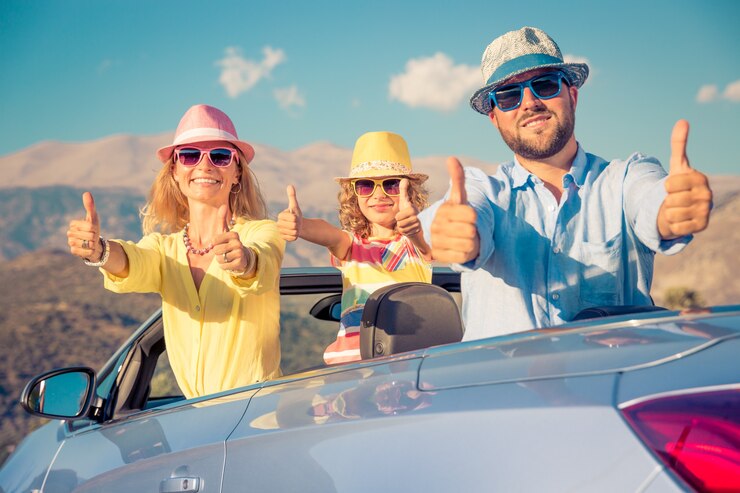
{"x":144,"y":260}
{"x":263,"y":238}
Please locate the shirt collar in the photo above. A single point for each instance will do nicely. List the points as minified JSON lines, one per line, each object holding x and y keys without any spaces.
{"x":520,"y":176}
{"x":578,"y":167}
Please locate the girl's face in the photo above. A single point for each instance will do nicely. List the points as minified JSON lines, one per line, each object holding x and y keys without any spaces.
{"x":380,"y":210}
{"x":204,"y":181}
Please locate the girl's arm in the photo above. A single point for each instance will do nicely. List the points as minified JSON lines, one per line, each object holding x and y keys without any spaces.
{"x":323,"y":233}
{"x":292,"y":225}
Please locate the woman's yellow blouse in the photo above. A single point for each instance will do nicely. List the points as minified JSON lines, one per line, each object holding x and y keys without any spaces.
{"x":225,"y":335}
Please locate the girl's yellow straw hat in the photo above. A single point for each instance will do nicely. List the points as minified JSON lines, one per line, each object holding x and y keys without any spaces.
{"x":379,"y":154}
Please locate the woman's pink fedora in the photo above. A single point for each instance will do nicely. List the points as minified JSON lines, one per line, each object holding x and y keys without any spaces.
{"x":201,"y":124}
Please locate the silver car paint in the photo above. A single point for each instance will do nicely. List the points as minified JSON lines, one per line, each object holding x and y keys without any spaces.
{"x":533,"y":412}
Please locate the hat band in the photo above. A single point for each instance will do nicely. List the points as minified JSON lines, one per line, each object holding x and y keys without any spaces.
{"x":204,"y":132}
{"x":363,"y":168}
{"x":522,"y":64}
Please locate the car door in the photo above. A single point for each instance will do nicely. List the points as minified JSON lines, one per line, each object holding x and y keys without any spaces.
{"x":150,"y":442}
{"x":180,"y":448}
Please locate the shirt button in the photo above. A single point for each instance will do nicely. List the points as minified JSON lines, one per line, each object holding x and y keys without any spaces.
{"x":556,"y":250}
{"x":551,"y":208}
{"x":197,"y":308}
{"x":555,"y":296}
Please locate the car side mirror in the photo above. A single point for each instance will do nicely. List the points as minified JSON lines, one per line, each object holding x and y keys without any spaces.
{"x":60,"y":394}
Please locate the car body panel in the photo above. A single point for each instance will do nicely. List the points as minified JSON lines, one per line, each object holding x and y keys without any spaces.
{"x":551,"y":353}
{"x":451,"y":440}
{"x":26,"y":468}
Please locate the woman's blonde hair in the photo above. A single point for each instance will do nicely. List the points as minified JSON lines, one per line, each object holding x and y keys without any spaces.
{"x":351,"y":217}
{"x":166,"y":210}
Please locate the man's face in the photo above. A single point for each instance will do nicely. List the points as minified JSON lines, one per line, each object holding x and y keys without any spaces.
{"x":537,"y":129}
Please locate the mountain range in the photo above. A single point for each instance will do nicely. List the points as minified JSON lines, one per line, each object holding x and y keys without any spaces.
{"x":43,"y":183}
{"x":125,"y":161}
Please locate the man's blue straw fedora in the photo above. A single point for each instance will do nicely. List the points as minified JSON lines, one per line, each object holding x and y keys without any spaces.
{"x":517,"y":52}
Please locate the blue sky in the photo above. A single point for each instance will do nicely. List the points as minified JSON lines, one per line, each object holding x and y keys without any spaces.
{"x":294,"y":72}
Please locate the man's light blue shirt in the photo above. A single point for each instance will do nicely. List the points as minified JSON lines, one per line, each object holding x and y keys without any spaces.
{"x":541,"y":261}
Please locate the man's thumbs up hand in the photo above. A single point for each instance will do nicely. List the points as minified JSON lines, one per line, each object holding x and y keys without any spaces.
{"x":454,"y":232}
{"x":685,"y":210}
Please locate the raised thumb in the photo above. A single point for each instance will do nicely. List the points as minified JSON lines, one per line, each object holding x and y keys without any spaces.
{"x":457,"y":193}
{"x":88,"y":202}
{"x":223,"y":217}
{"x":679,"y":137}
{"x":292,"y":200}
{"x":405,"y":200}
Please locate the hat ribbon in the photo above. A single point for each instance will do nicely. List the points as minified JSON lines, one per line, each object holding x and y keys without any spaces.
{"x":204,"y":132}
{"x":524,"y":62}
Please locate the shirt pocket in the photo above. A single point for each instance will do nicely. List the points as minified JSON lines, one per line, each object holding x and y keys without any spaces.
{"x":600,"y":275}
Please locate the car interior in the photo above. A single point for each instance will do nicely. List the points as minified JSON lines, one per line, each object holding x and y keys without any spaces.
{"x":397,"y":318}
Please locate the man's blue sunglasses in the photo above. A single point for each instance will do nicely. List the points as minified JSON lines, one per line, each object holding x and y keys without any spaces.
{"x":546,"y":86}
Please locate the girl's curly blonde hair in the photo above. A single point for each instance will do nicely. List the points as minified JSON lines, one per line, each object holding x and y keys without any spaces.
{"x":351,"y":217}
{"x":166,"y":210}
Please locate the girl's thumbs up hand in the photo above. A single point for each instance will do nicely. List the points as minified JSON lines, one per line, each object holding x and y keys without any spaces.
{"x":407,"y":220}
{"x":289,"y":221}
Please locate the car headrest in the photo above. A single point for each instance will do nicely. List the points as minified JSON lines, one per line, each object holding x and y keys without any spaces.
{"x":408,"y":316}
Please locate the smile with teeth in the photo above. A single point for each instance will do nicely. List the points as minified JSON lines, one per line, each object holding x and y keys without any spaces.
{"x":536,"y":121}
{"x":208,"y":181}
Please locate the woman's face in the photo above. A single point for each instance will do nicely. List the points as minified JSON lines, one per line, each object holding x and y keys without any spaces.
{"x":204,"y":182}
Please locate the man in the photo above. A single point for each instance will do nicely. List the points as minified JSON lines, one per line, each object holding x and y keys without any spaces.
{"x":557,"y":229}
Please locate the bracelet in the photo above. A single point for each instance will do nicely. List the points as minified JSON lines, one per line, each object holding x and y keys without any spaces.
{"x":103,"y":257}
{"x":250,"y":264}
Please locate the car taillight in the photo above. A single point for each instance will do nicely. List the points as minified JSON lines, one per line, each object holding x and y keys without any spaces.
{"x":697,"y":435}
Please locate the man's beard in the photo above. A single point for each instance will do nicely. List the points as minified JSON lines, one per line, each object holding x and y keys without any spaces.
{"x":534,"y":149}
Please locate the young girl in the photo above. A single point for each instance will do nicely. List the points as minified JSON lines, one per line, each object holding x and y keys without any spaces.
{"x":381,"y":240}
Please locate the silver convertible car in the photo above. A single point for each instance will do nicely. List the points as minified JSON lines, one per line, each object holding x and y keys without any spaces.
{"x":622,"y":399}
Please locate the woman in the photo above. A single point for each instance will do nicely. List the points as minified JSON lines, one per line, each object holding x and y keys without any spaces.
{"x":208,"y":251}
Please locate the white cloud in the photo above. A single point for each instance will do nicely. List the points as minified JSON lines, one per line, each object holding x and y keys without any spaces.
{"x":570,"y":58}
{"x":105,"y":65}
{"x":289,"y":97}
{"x":434,"y":82}
{"x":732,"y":92}
{"x":707,"y":93}
{"x":239,"y":74}
{"x":576,"y":59}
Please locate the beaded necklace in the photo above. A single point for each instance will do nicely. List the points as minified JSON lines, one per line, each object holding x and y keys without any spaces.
{"x":199,"y":251}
